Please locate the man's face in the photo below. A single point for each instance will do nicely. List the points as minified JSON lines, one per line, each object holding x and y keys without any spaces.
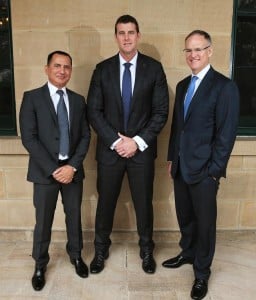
{"x":197,"y":52}
{"x":59,"y":70}
{"x":127,"y":39}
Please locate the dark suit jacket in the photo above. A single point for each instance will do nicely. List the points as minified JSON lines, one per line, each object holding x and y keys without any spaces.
{"x":202,"y":144}
{"x":40,"y":134}
{"x":149,"y":106}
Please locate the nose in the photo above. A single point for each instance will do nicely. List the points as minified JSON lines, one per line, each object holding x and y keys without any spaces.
{"x":62,"y":69}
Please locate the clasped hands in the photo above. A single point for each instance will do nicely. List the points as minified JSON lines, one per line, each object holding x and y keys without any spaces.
{"x":126,"y":147}
{"x":64,"y":174}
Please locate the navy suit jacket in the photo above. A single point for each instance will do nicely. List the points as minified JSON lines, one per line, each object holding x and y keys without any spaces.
{"x":40,"y":134}
{"x":202,"y":143}
{"x":148,"y":113}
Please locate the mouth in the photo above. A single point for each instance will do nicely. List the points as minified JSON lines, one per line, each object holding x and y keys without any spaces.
{"x":194,"y":60}
{"x":61,"y":77}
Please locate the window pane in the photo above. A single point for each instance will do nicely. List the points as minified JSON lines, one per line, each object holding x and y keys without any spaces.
{"x":3,"y":6}
{"x":245,"y":78}
{"x":7,"y":102}
{"x":247,"y":5}
{"x":246,"y":41}
{"x":245,"y":67}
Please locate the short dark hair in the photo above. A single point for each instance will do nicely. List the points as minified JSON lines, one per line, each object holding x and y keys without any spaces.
{"x":205,"y":34}
{"x":49,"y":58}
{"x":127,"y":19}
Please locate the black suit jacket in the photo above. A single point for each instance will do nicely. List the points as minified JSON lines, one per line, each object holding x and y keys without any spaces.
{"x":40,"y":134}
{"x":149,"y":106}
{"x":202,"y":143}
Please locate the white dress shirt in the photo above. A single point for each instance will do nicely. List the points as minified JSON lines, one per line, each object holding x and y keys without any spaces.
{"x":142,"y":145}
{"x":201,"y":76}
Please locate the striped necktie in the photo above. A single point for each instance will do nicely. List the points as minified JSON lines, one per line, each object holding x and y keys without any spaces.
{"x":62,"y":115}
{"x":126,"y":93}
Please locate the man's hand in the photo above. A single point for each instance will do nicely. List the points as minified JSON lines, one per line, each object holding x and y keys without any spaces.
{"x":127,"y":147}
{"x":64,"y":174}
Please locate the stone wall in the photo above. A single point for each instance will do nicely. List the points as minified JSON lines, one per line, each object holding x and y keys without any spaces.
{"x":85,"y":29}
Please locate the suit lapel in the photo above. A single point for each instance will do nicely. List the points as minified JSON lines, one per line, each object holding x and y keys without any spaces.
{"x":114,"y":72}
{"x":47,"y":98}
{"x":201,"y":92}
{"x":71,"y":103}
{"x":182,"y":95}
{"x":139,"y":77}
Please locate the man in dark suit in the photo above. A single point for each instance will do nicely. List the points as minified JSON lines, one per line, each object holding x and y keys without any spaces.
{"x":127,"y":136}
{"x":202,"y":137}
{"x":55,"y":163}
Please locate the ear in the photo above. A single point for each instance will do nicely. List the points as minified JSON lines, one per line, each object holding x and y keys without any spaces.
{"x":46,"y":69}
{"x":210,"y":51}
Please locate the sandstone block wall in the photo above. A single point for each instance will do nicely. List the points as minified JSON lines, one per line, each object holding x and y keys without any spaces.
{"x":86,"y":30}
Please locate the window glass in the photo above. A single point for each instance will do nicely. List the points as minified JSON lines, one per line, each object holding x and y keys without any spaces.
{"x":7,"y":101}
{"x":244,"y":64}
{"x":246,"y":5}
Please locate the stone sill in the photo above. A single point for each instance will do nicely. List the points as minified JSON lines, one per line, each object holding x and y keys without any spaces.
{"x":244,"y":146}
{"x":11,"y":146}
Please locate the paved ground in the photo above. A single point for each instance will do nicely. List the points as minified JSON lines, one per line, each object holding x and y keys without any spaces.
{"x":233,"y":273}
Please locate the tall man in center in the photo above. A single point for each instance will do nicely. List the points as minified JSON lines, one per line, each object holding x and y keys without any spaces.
{"x":128,"y":106}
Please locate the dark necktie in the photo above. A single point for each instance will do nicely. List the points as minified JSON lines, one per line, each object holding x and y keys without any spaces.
{"x":126,"y":92}
{"x":62,"y":115}
{"x":190,"y":93}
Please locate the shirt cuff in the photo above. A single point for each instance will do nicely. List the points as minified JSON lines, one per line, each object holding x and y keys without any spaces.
{"x":112,"y":147}
{"x":142,"y":145}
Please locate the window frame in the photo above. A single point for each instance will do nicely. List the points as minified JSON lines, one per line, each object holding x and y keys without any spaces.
{"x":12,"y":129}
{"x":243,"y":131}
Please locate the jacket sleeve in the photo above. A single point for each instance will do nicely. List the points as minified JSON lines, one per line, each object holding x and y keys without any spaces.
{"x":227,"y":116}
{"x":159,"y":109}
{"x":29,"y":136}
{"x":95,"y":102}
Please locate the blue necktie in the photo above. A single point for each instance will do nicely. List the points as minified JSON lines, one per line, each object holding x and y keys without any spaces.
{"x":62,"y":115}
{"x":126,"y":92}
{"x":190,"y":93}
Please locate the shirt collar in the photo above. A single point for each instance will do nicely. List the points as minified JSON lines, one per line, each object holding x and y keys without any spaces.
{"x":133,"y":61}
{"x":53,"y":89}
{"x":202,"y":73}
